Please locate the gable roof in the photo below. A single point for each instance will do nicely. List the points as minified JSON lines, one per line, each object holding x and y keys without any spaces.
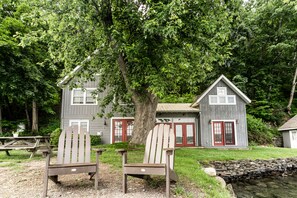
{"x":176,"y":107}
{"x":68,"y":77}
{"x":78,"y":68}
{"x":290,"y":124}
{"x":229,"y":83}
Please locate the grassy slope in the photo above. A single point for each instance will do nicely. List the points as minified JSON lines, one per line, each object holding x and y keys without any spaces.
{"x":187,"y":162}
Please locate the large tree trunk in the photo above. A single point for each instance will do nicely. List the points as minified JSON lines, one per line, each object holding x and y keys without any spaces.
{"x":34,"y":117}
{"x":27,"y":117}
{"x":1,"y":120}
{"x":144,"y":119}
{"x":145,"y":107}
{"x":293,"y":87}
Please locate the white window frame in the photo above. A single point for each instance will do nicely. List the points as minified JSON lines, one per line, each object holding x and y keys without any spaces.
{"x":223,"y":90}
{"x":85,"y":96}
{"x":79,"y":124}
{"x":221,"y":94}
{"x":235,"y":132}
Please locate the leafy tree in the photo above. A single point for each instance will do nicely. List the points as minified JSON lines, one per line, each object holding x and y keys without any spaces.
{"x":142,"y":49}
{"x":26,"y":76}
{"x":263,"y":57}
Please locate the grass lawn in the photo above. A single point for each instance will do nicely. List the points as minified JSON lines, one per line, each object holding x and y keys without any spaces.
{"x":187,"y":162}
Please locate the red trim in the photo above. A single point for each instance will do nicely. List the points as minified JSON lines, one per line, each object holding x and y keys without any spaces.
{"x":124,"y":129}
{"x":223,"y":133}
{"x":184,"y":134}
{"x":233,"y":133}
{"x":222,"y":142}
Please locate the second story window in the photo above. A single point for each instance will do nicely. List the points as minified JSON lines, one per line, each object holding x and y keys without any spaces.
{"x":83,"y":97}
{"x":222,"y":98}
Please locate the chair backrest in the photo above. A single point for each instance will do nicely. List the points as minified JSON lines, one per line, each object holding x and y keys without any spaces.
{"x":74,"y":146}
{"x":162,"y":136}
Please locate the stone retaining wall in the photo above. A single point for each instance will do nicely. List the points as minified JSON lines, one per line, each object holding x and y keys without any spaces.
{"x":232,"y":171}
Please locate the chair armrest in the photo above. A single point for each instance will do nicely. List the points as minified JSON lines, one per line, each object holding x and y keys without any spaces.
{"x":99,"y":151}
{"x":121,"y":151}
{"x":169,"y":151}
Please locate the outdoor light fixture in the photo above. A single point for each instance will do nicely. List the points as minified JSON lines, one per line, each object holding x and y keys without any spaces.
{"x":209,"y":122}
{"x":105,"y":123}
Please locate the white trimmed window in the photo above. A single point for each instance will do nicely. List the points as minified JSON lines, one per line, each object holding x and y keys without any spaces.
{"x":221,"y":91}
{"x":83,"y":97}
{"x":222,"y":98}
{"x":83,"y":125}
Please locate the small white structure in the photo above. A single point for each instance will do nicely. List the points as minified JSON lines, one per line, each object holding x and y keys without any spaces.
{"x":289,"y":130}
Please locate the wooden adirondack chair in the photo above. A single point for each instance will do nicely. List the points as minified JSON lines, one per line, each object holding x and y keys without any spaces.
{"x":74,"y":152}
{"x":158,"y":157}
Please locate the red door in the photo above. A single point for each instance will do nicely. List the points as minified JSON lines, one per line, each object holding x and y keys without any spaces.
{"x":218,"y":134}
{"x":122,"y":130}
{"x":184,"y":134}
{"x":223,"y":133}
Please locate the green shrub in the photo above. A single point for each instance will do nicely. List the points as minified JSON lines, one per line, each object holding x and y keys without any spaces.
{"x":259,"y":132}
{"x":95,"y":140}
{"x":55,"y":136}
{"x":49,"y":127}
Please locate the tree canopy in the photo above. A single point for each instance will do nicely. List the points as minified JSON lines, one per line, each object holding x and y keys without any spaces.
{"x":146,"y":49}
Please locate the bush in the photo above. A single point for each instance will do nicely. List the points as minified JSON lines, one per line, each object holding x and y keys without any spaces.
{"x":259,"y":132}
{"x":95,"y":140}
{"x":48,"y":128}
{"x":55,"y":136}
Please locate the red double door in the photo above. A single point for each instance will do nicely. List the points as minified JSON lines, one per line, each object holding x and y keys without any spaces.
{"x":223,"y":133}
{"x":122,"y":130}
{"x":184,"y":134}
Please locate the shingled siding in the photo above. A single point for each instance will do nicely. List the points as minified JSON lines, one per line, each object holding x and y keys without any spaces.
{"x":223,"y":112}
{"x":84,"y":112}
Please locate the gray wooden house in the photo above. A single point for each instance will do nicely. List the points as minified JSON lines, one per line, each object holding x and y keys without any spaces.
{"x":289,"y":132}
{"x":216,"y":119}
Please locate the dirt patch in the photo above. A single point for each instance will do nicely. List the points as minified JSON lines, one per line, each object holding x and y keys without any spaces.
{"x":27,"y":181}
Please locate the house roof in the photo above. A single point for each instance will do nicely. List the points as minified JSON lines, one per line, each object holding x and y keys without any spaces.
{"x":68,"y":77}
{"x":176,"y":107}
{"x":290,"y":124}
{"x":229,"y":83}
{"x":78,"y":68}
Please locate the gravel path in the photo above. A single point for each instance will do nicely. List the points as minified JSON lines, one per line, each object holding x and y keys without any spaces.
{"x":27,"y":182}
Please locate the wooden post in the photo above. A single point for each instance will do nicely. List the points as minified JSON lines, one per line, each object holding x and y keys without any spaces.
{"x":167,"y":174}
{"x":97,"y":171}
{"x":124,"y":175}
{"x":45,"y":180}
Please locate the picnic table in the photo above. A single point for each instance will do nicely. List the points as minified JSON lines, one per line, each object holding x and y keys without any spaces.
{"x":29,"y":143}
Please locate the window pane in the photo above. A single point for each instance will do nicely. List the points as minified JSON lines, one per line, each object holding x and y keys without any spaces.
{"x":178,"y":134}
{"x":229,"y":133}
{"x":213,"y":99}
{"x":130,"y":125}
{"x":90,"y":99}
{"x":222,"y":99}
{"x":231,"y":99}
{"x":78,"y":96}
{"x":190,"y":134}
{"x":84,"y":126}
{"x":217,"y":132}
{"x":118,"y":131}
{"x":221,"y":91}
{"x":74,"y":123}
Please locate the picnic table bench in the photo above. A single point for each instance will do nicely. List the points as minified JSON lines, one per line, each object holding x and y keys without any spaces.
{"x":28,"y":143}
